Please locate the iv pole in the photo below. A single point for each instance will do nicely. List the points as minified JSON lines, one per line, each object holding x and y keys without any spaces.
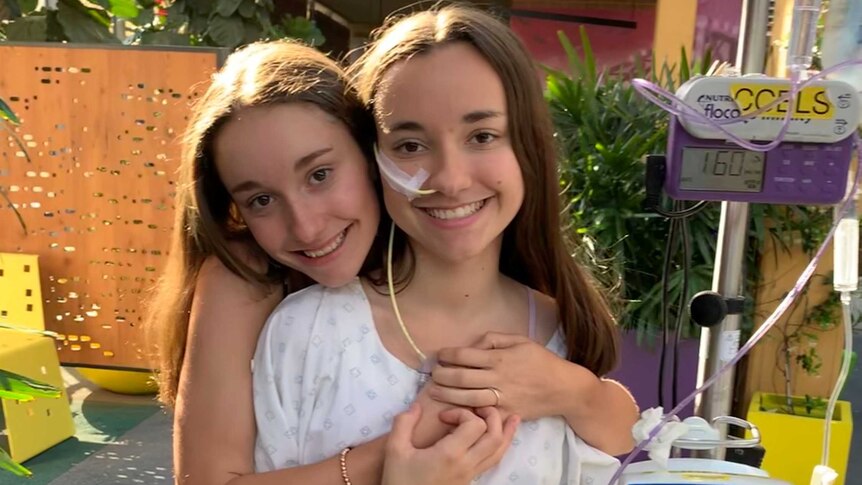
{"x":718,"y":344}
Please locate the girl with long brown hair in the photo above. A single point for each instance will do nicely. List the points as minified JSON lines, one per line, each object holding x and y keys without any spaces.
{"x":478,"y":255}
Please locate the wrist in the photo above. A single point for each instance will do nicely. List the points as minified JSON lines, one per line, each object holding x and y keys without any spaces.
{"x":345,"y":475}
{"x":364,"y":462}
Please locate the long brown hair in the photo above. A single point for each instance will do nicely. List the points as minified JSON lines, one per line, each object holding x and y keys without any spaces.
{"x":535,"y":250}
{"x":206,"y":220}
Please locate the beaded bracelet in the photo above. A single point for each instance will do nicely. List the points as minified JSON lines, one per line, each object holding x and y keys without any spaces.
{"x":343,"y":461}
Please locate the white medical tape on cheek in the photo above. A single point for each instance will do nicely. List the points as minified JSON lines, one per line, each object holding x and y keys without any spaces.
{"x":399,"y":180}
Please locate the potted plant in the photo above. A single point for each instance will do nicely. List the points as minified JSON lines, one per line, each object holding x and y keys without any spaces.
{"x":791,"y":421}
{"x":791,"y":415}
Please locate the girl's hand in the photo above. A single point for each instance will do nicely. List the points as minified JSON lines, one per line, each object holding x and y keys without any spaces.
{"x":477,"y":443}
{"x":429,"y":428}
{"x":531,"y":381}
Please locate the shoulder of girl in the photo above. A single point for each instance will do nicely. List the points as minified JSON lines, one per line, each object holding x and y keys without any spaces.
{"x":312,"y":302}
{"x":546,"y":306}
{"x":310,"y":322}
{"x":301,"y":302}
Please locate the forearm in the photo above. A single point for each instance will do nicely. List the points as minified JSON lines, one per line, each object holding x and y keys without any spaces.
{"x":604,"y":416}
{"x":364,"y":467}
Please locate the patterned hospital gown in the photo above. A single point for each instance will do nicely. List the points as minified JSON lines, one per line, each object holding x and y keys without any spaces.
{"x":323,"y":381}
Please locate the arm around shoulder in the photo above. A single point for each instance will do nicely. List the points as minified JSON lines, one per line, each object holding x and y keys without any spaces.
{"x":286,"y":372}
{"x":214,"y":425}
{"x":605,"y":417}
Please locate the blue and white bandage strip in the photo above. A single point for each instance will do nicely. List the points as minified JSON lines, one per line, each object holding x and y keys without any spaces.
{"x":399,"y":180}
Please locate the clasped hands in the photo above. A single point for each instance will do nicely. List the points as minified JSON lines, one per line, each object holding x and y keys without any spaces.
{"x":464,"y":419}
{"x":511,"y":373}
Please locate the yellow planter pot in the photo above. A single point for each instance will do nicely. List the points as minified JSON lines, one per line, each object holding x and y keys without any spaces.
{"x":121,"y":381}
{"x":793,"y":442}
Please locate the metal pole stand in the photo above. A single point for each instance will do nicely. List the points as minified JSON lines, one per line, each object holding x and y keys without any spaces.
{"x":718,"y":344}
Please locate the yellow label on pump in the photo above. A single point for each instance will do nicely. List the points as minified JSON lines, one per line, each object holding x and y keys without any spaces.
{"x":823,"y":112}
{"x":811,"y":103}
{"x":705,"y":477}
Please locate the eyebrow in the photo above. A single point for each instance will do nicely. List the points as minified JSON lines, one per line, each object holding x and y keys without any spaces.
{"x":244,"y":186}
{"x":406,"y":126}
{"x":311,"y":157}
{"x":298,"y":166}
{"x":477,"y":116}
{"x":469,"y":118}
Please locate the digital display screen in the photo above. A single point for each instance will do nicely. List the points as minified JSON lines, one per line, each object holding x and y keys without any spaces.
{"x":731,"y":170}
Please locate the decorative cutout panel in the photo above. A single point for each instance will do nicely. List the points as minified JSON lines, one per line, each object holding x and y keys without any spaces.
{"x":21,"y":291}
{"x":102,"y":128}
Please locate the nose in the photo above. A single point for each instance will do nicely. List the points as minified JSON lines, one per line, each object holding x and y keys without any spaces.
{"x":305,"y":224}
{"x":451,"y":173}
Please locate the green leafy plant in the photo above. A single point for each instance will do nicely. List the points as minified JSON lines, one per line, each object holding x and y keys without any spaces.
{"x":8,"y":122}
{"x":605,"y":128}
{"x":21,"y":388}
{"x":17,"y":387}
{"x":798,"y":343}
{"x":10,"y":465}
{"x":225,"y":23}
{"x":70,"y":21}
{"x":807,"y":405}
{"x":219,"y":23}
{"x":299,"y":28}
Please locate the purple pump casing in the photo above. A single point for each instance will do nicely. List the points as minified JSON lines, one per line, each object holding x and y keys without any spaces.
{"x":792,"y":173}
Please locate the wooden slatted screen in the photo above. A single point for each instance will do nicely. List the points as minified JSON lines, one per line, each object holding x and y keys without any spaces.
{"x":102,"y":127}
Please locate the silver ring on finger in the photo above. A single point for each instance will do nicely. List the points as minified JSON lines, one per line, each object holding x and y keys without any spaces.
{"x":496,"y":395}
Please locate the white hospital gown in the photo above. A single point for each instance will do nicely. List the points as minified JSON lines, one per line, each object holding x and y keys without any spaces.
{"x":323,"y":381}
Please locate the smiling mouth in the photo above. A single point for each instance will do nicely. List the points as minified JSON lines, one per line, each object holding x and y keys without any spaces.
{"x":329,"y":248}
{"x":454,"y":213}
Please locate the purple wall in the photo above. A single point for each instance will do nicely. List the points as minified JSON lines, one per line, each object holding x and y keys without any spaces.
{"x":717,"y":26}
{"x":640,"y":366}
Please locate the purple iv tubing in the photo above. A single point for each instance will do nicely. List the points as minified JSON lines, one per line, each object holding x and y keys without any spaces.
{"x":647,"y":89}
